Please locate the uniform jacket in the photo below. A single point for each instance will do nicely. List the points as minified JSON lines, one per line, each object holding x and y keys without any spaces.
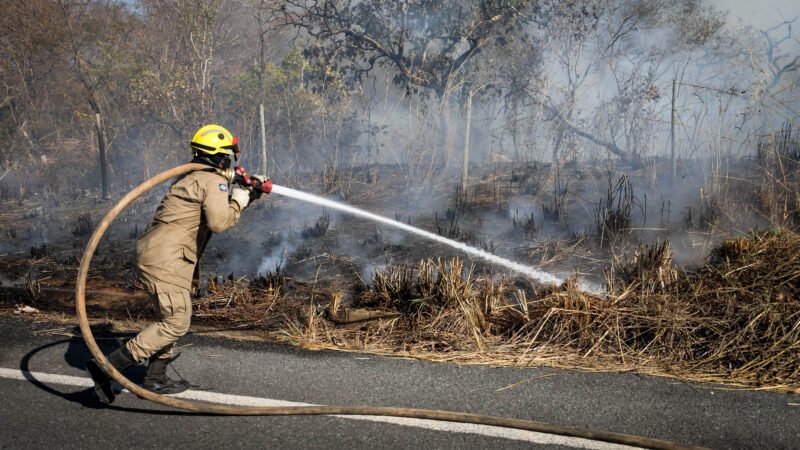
{"x":196,"y":205}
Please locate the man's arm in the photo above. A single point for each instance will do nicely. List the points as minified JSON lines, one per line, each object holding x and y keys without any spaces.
{"x":220,"y":212}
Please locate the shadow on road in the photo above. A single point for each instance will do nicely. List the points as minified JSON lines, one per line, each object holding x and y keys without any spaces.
{"x":77,"y":355}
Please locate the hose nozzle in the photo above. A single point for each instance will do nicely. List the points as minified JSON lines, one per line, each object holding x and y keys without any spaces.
{"x":261,"y":184}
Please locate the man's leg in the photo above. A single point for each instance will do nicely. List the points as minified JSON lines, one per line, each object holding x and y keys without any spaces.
{"x":157,"y":342}
{"x":174,"y":313}
{"x":121,"y":359}
{"x":156,"y":379}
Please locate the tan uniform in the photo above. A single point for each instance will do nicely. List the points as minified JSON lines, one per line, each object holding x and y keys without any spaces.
{"x":195,"y":206}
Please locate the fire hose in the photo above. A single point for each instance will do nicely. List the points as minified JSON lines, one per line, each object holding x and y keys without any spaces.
{"x":210,"y":408}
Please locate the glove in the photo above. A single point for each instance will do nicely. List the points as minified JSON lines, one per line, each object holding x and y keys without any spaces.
{"x":266,"y":183}
{"x":241,"y":196}
{"x":265,"y":187}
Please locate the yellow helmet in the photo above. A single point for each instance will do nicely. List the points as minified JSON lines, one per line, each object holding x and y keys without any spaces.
{"x":212,"y":140}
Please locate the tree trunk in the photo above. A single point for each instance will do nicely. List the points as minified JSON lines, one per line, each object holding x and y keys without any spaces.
{"x":449,"y":133}
{"x":101,"y":146}
{"x":673,"y":156}
{"x":467,"y":136}
{"x":263,"y":140}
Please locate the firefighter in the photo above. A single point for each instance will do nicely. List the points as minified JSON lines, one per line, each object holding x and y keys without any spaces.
{"x":197,"y":204}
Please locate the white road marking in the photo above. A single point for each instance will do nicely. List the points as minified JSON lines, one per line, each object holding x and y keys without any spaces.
{"x":451,"y":427}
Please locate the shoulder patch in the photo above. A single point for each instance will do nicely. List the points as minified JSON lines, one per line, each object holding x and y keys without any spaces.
{"x":223,"y":187}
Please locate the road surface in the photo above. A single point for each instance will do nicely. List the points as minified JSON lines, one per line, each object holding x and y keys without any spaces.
{"x":46,"y":401}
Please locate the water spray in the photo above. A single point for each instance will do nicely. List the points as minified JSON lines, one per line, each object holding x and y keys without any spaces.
{"x":241,"y":177}
{"x":530,"y":272}
{"x":209,"y":408}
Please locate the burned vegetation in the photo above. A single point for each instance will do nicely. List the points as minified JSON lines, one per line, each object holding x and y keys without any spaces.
{"x":735,"y":320}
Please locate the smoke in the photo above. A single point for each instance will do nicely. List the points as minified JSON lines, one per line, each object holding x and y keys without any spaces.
{"x":277,"y":257}
{"x":269,"y":234}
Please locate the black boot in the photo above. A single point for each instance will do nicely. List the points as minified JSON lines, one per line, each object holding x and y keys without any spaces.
{"x":121,"y":359}
{"x":156,"y":379}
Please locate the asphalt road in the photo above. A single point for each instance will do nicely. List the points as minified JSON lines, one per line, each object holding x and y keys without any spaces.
{"x":44,"y":401}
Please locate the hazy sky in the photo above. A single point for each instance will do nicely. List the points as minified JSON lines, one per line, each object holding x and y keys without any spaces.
{"x":759,"y":13}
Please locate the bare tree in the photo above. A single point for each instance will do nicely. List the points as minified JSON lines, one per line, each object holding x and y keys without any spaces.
{"x":424,"y":44}
{"x":184,"y":61}
{"x":31,"y":45}
{"x":89,"y":40}
{"x":599,"y":47}
{"x":781,"y":65}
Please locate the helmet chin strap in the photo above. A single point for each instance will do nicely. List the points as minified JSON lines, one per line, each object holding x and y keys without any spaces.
{"x":220,"y":160}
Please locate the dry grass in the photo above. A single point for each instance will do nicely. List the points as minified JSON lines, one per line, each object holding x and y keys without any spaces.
{"x":736,"y":320}
{"x":239,"y":301}
{"x":613,"y":215}
{"x":777,"y":194}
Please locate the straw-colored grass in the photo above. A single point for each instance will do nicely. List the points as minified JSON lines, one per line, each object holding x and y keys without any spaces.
{"x":736,"y":320}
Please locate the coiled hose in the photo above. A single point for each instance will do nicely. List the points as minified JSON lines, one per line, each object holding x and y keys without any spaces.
{"x":208,"y":408}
